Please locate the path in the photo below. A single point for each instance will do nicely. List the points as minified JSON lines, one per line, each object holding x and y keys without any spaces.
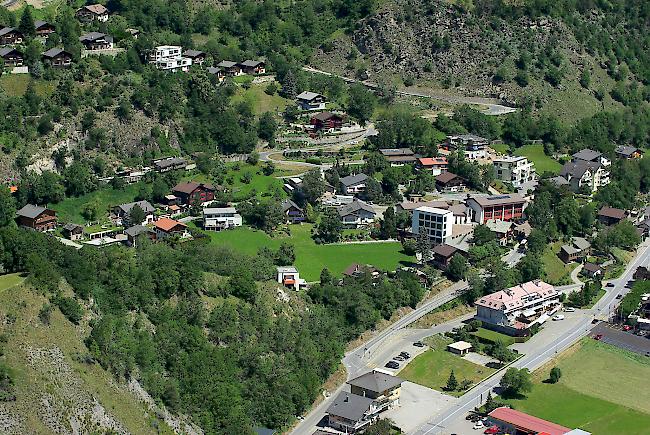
{"x":492,"y":105}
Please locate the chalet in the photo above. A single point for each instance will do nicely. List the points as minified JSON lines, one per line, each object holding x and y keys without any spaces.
{"x":197,"y":56}
{"x":436,"y":165}
{"x":382,"y":388}
{"x":356,"y":214}
{"x":192,"y":193}
{"x":350,"y":413}
{"x":10,"y":36}
{"x":221,"y":218}
{"x":288,"y":276}
{"x":136,"y":232}
{"x":169,"y":164}
{"x":577,"y":250}
{"x":628,"y":152}
{"x":11,"y":57}
{"x":217,"y":72}
{"x":327,"y":121}
{"x":610,"y":216}
{"x":36,"y":218}
{"x":230,"y":68}
{"x":170,"y":228}
{"x":353,"y":184}
{"x":292,"y":213}
{"x":399,"y":156}
{"x":89,"y":13}
{"x":43,"y":28}
{"x":57,"y":58}
{"x":253,"y":67}
{"x":500,"y":207}
{"x":442,"y":255}
{"x":592,"y":270}
{"x":502,"y":229}
{"x":124,"y":210}
{"x":450,"y":182}
{"x":311,"y":101}
{"x":72,"y":231}
{"x":96,"y":41}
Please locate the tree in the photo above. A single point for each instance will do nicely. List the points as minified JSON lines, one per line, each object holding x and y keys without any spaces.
{"x":242,"y":285}
{"x":289,"y":86}
{"x":90,"y":210}
{"x":501,"y":352}
{"x":516,"y":382}
{"x":361,"y":103}
{"x":7,"y":207}
{"x":423,"y":247}
{"x":530,"y":267}
{"x":457,"y":267}
{"x":452,"y":383}
{"x":388,"y":225}
{"x":313,"y":186}
{"x":286,"y":255}
{"x":482,"y":235}
{"x":266,"y":127}
{"x":325,"y":276}
{"x":409,"y":246}
{"x":329,"y":228}
{"x":136,"y":215}
{"x":310,"y":214}
{"x":26,"y":25}
{"x":555,"y":375}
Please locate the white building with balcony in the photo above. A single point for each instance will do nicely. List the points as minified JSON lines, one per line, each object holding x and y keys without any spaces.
{"x":170,"y":58}
{"x":217,"y":219}
{"x":514,"y":170}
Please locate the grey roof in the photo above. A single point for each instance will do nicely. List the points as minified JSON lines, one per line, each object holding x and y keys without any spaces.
{"x":40,"y":23}
{"x":94,"y":36}
{"x":287,"y":204}
{"x":71,"y":226}
{"x":193,"y":53}
{"x":559,"y":181}
{"x":213,"y":69}
{"x":6,"y":30}
{"x":307,"y":96}
{"x":498,"y":226}
{"x":213,"y":210}
{"x":349,"y":406}
{"x":144,"y":205}
{"x":31,"y":211}
{"x":580,"y":243}
{"x":587,"y":155}
{"x":396,"y":152}
{"x":498,"y":199}
{"x":351,"y":180}
{"x":6,"y":50}
{"x":355,"y":205}
{"x":626,"y":150}
{"x":226,"y":64}
{"x":54,"y":52}
{"x":376,"y":381}
{"x":591,"y":267}
{"x":578,"y":168}
{"x":251,"y":63}
{"x":136,"y":230}
{"x":170,"y":162}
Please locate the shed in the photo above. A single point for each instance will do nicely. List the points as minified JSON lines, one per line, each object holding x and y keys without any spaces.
{"x":460,"y":347}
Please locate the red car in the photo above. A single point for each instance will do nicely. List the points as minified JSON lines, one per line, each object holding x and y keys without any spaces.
{"x":598,"y":336}
{"x":627,"y":328}
{"x":492,"y":430}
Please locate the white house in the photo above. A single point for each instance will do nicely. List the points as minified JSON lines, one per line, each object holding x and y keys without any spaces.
{"x":356,"y":213}
{"x":217,"y":219}
{"x":311,"y":101}
{"x":437,"y":223}
{"x":353,"y":184}
{"x":170,"y":58}
{"x":514,"y":170}
{"x":289,"y":277}
{"x":587,"y":170}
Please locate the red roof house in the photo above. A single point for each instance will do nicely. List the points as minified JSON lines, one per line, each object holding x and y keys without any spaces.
{"x":191,"y":192}
{"x":513,"y":421}
{"x":166,"y":227}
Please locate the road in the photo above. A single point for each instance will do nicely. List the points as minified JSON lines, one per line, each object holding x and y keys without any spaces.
{"x":492,"y":105}
{"x":541,"y":355}
{"x":356,"y":361}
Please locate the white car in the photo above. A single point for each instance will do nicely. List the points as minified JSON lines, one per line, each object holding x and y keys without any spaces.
{"x":558,"y":317}
{"x":569,"y":309}
{"x":478,"y":425}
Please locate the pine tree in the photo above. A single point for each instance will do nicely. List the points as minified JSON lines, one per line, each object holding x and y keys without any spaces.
{"x":452,"y":383}
{"x":289,"y":86}
{"x":26,"y":25}
{"x":423,"y":246}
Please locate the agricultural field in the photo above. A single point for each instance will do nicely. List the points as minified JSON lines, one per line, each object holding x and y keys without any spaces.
{"x":543,"y":163}
{"x":599,"y":391}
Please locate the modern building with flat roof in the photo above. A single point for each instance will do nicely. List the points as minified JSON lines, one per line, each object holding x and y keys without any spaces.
{"x":498,"y":207}
{"x":437,"y":223}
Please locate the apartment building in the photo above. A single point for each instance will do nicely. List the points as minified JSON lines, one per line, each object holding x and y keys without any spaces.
{"x":170,"y":58}
{"x":437,"y":223}
{"x":514,"y":170}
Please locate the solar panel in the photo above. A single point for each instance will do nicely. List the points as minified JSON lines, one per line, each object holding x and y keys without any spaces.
{"x":494,"y":198}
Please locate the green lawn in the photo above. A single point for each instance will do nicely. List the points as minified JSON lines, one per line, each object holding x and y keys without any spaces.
{"x":500,"y":148}
{"x":260,"y":100}
{"x":433,"y":367}
{"x":494,"y":336}
{"x":312,"y":258}
{"x":10,"y":280}
{"x":259,"y":184}
{"x":601,"y":391}
{"x":15,"y":85}
{"x":535,"y":154}
{"x":556,"y":271}
{"x":69,"y":210}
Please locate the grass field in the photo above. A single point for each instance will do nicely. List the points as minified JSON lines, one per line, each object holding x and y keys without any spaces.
{"x":69,"y":209}
{"x":10,"y":280}
{"x":556,"y":271}
{"x":312,"y":258}
{"x":433,"y":367}
{"x":500,"y":148}
{"x":494,"y":336}
{"x":15,"y":85}
{"x":260,"y":100}
{"x":543,"y":163}
{"x":260,"y":183}
{"x":601,"y":391}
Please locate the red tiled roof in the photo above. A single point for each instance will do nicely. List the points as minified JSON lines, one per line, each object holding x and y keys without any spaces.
{"x":432,"y":161}
{"x":527,"y":422}
{"x":166,"y":224}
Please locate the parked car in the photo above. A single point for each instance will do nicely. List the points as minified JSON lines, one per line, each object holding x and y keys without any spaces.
{"x":627,"y":328}
{"x":594,"y":321}
{"x":478,"y":425}
{"x":558,"y":317}
{"x":399,"y":358}
{"x":619,"y":296}
{"x":569,"y":309}
{"x":598,"y":337}
{"x":405,"y":354}
{"x":418,"y":344}
{"x":392,"y":365}
{"x":492,"y":430}
{"x":609,"y":285}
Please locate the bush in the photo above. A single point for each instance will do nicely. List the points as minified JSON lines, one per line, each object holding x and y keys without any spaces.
{"x":70,"y":309}
{"x":555,"y":375}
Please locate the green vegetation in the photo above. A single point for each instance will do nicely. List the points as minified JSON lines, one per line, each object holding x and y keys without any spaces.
{"x":433,"y":368}
{"x":543,"y":163}
{"x":15,"y":85}
{"x":70,"y":209}
{"x":256,"y":185}
{"x":312,"y":258}
{"x":631,"y":300}
{"x":259,"y":100}
{"x":599,"y":391}
{"x":556,"y":271}
{"x":10,"y":280}
{"x":493,"y":336}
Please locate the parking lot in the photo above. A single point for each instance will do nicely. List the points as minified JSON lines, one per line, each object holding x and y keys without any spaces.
{"x":622,"y":339}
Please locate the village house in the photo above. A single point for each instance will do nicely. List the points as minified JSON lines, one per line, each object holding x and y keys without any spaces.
{"x":123,"y":211}
{"x":353,"y":184}
{"x":577,"y":250}
{"x":326,"y":121}
{"x":293,"y":214}
{"x":135,"y":232}
{"x":169,"y":163}
{"x":516,"y":422}
{"x":383,"y":388}
{"x":502,"y":229}
{"x":43,"y":28}
{"x":11,"y":57}
{"x":72,"y":231}
{"x":514,"y":170}
{"x":587,"y":170}
{"x":221,"y":218}
{"x":499,"y":207}
{"x":450,"y":182}
{"x":351,"y":413}
{"x":611,"y":216}
{"x":356,"y":214}
{"x":355,"y":270}
{"x":399,"y":156}
{"x":253,"y":67}
{"x":166,"y":227}
{"x":522,"y":231}
{"x":36,"y":218}
{"x":288,"y":276}
{"x":57,"y":58}
{"x":514,"y":310}
{"x":591,"y":270}
{"x":628,"y":152}
{"x":217,"y":72}
{"x":10,"y":36}
{"x":474,"y":146}
{"x":89,"y":13}
{"x":230,"y":68}
{"x":442,"y":254}
{"x":96,"y":41}
{"x":194,"y":193}
{"x":169,"y":58}
{"x":436,"y":165}
{"x":197,"y":56}
{"x":436,"y":223}
{"x":311,"y":101}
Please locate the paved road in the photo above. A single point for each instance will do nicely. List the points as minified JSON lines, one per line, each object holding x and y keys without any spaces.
{"x":492,"y":105}
{"x":513,"y":256}
{"x":542,"y":354}
{"x":356,"y":361}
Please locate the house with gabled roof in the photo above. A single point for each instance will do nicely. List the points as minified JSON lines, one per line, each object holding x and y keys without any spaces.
{"x":123,"y":211}
{"x":588,"y":169}
{"x":253,"y":67}
{"x":292,"y":212}
{"x":577,"y":250}
{"x":435,"y":165}
{"x":611,"y":216}
{"x":217,"y":72}
{"x":350,"y":413}
{"x":166,"y":227}
{"x":326,"y":121}
{"x":96,"y":41}
{"x":197,"y":56}
{"x":43,"y":28}
{"x":356,"y":214}
{"x":230,"y":68}
{"x":36,"y":217}
{"x":383,"y":388}
{"x":399,"y":156}
{"x":628,"y":152}
{"x":192,"y":192}
{"x":134,"y":233}
{"x":72,"y":231}
{"x":89,"y":13}
{"x":10,"y":36}
{"x":11,"y":57}
{"x":311,"y":101}
{"x":57,"y":58}
{"x":353,"y":184}
{"x":450,"y":182}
